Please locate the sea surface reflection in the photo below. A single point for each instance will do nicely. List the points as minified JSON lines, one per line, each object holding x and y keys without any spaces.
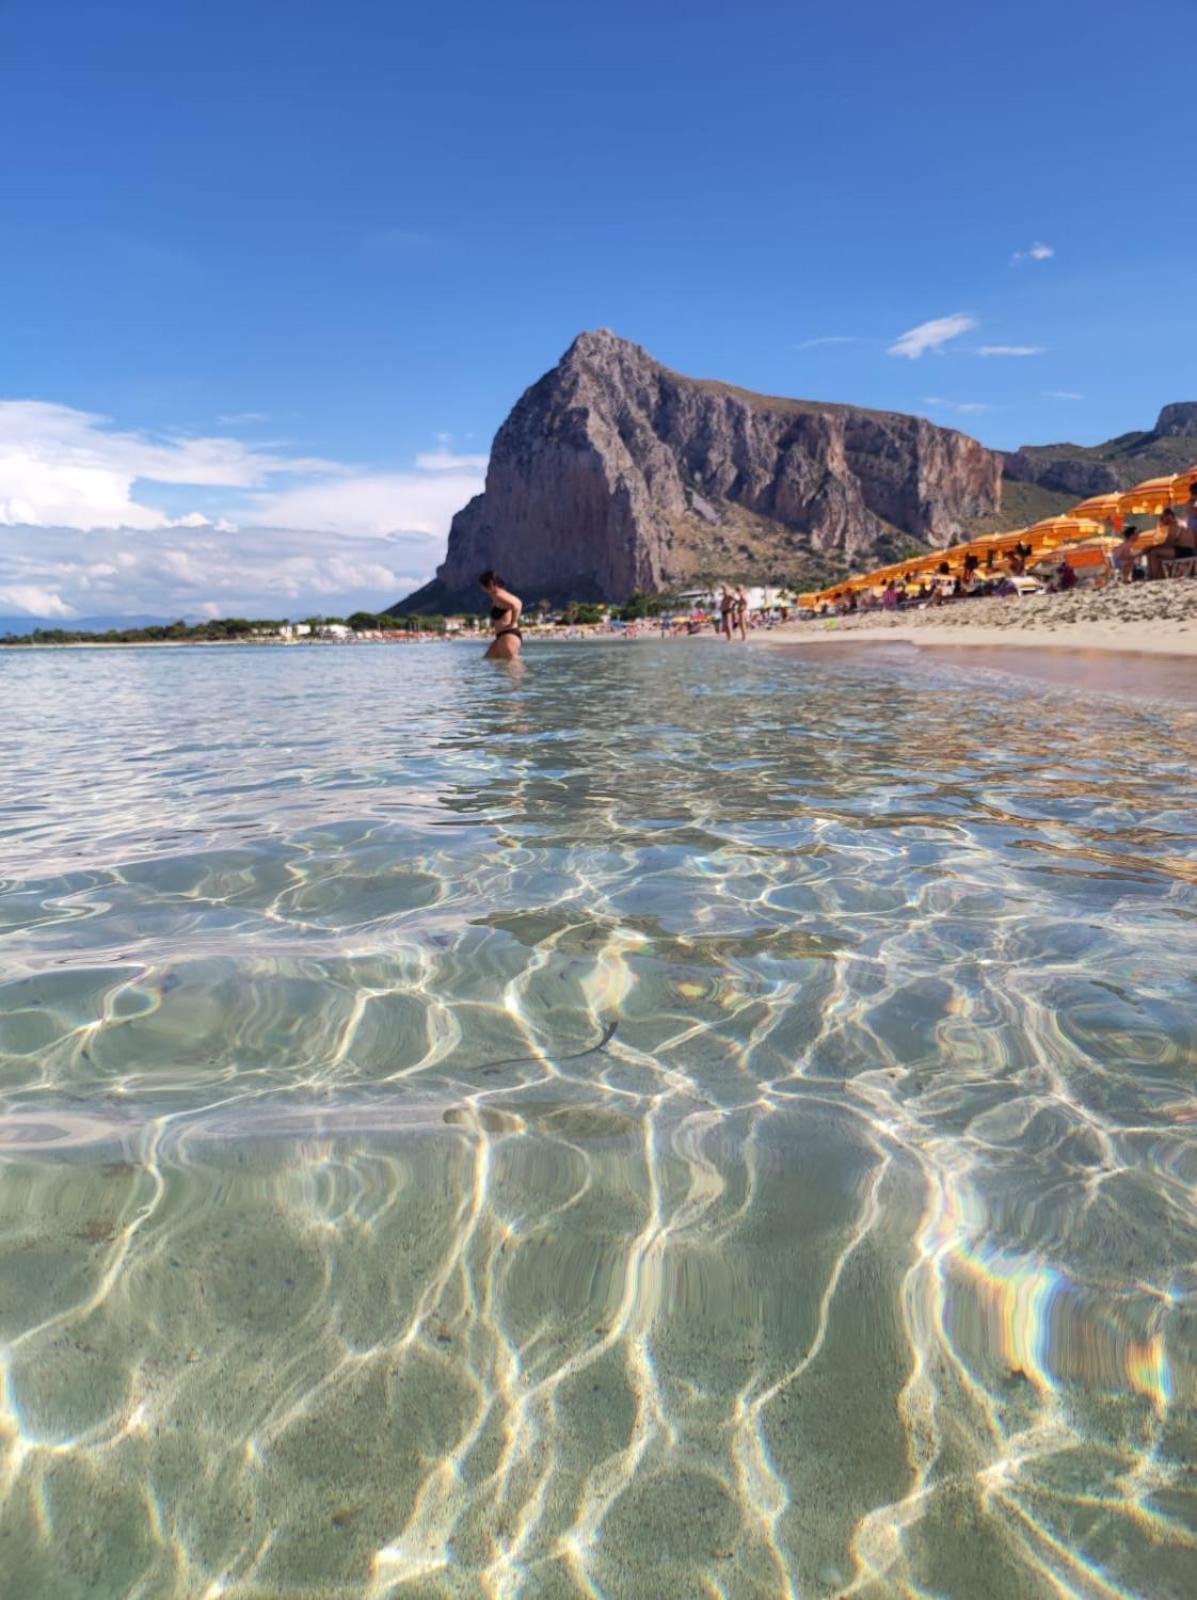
{"x":682,"y":1121}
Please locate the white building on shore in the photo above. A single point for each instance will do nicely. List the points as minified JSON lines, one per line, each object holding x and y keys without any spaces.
{"x":761,"y":597}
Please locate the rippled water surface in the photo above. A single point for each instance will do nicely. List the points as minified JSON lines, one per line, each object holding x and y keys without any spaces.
{"x":681,"y":1122}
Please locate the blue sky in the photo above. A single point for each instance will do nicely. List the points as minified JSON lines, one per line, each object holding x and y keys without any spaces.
{"x":299,"y":259}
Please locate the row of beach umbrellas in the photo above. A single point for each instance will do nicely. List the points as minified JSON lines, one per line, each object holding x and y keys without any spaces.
{"x":1081,"y":532}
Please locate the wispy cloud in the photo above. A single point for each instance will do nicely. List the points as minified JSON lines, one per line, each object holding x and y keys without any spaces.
{"x":60,"y":467}
{"x":1062,"y":394}
{"x":1011,"y":350}
{"x":932,"y":336}
{"x":1037,"y":252}
{"x":370,"y":504}
{"x":235,"y":419}
{"x":73,"y":472}
{"x":446,"y":461}
{"x":965,"y":407}
{"x":831,"y":338}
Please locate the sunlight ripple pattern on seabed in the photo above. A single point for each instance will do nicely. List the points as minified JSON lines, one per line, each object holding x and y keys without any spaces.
{"x":674,"y":1122}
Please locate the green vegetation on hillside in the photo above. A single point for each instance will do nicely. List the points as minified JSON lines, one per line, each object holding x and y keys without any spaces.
{"x":1132,"y":457}
{"x":1022,"y":504}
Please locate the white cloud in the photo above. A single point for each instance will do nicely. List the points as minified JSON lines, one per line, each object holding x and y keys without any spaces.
{"x":26,"y":600}
{"x":932,"y":335}
{"x":57,"y":572}
{"x":65,"y":468}
{"x":62,"y":467}
{"x":86,"y":535}
{"x":1037,"y":252}
{"x":1011,"y":350}
{"x":1062,"y":394}
{"x":233,"y":419}
{"x":831,"y":338}
{"x":444,"y":460}
{"x":371,"y":504}
{"x":964,"y":406}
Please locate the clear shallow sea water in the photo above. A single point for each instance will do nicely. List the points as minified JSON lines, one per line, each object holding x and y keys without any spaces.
{"x":680,"y":1122}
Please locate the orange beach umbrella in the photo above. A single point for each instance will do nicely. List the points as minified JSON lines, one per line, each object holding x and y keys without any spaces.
{"x":1100,"y":507}
{"x":1060,"y":530}
{"x":1154,"y":494}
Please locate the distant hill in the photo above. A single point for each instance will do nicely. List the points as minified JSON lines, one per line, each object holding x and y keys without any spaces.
{"x":20,"y":626}
{"x":1078,"y":470}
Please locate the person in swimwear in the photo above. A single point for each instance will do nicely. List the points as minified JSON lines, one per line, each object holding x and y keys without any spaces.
{"x":740,"y":614}
{"x":505,"y":611}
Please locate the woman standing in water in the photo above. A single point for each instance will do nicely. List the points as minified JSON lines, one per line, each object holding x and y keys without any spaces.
{"x":505,"y":611}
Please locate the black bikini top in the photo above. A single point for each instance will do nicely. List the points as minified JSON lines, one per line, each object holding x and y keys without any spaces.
{"x":498,"y":611}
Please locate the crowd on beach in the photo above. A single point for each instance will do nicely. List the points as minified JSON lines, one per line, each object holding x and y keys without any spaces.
{"x":1170,"y":551}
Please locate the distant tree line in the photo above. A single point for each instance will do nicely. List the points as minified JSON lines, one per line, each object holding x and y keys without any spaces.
{"x":218,"y":628}
{"x":221,"y":629}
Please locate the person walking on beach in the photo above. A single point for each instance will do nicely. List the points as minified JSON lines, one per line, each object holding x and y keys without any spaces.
{"x":741,"y":612}
{"x":727,"y":606}
{"x":505,"y":611}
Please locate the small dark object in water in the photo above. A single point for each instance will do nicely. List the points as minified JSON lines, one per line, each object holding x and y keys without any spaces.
{"x":520,"y":1061}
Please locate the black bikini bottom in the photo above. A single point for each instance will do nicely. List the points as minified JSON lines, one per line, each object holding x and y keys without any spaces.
{"x":503,"y":632}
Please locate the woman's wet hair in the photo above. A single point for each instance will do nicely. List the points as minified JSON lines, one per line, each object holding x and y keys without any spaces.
{"x":490,"y":580}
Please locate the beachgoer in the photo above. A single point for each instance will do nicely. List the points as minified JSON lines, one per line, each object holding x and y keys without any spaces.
{"x":741,"y":612}
{"x":1187,"y":518}
{"x":505,"y":610}
{"x":1066,"y":577}
{"x":1170,"y":547}
{"x":727,"y":606}
{"x":1123,"y":555}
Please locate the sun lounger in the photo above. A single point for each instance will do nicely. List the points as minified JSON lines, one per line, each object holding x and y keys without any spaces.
{"x":1182,"y":567}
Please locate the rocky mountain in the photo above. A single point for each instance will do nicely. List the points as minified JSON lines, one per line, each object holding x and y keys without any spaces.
{"x":1081,"y":470}
{"x":613,"y":474}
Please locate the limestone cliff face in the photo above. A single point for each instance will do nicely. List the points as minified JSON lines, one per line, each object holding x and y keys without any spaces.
{"x":613,"y":474}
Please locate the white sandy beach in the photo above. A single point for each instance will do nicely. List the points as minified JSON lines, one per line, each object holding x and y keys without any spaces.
{"x":1150,"y":618}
